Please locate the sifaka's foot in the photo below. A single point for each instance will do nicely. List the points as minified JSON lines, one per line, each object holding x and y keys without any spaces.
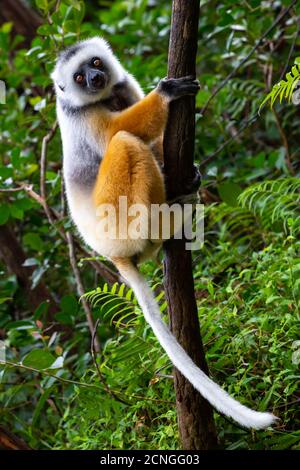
{"x":192,"y":186}
{"x":194,"y":183}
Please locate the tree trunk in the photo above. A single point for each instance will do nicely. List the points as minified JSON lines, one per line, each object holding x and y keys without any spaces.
{"x":26,"y":21}
{"x":195,"y":417}
{"x":9,"y":441}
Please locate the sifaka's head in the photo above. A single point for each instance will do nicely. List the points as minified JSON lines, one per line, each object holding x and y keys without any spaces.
{"x":86,"y":72}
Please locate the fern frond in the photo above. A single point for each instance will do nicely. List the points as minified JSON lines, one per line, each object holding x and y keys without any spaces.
{"x":118,"y":302}
{"x":241,"y":93}
{"x":285,"y":88}
{"x":115,"y":301}
{"x":236,"y":220}
{"x":274,"y":202}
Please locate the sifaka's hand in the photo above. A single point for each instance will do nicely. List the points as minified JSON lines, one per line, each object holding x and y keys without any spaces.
{"x":191,"y":188}
{"x":175,"y":88}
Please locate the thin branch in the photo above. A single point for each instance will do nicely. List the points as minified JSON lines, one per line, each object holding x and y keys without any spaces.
{"x":292,"y":48}
{"x":10,"y":190}
{"x":284,"y":405}
{"x":48,"y":374}
{"x":80,"y":289}
{"x":43,"y":164}
{"x":104,"y":271}
{"x":100,"y":375}
{"x":63,"y":211}
{"x":10,"y":441}
{"x":80,"y":384}
{"x":259,"y":42}
{"x":244,"y":126}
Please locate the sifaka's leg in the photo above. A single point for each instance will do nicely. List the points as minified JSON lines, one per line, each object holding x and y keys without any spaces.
{"x":129,"y":170}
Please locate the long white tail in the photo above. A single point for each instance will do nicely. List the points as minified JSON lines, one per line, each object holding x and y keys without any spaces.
{"x":213,"y":393}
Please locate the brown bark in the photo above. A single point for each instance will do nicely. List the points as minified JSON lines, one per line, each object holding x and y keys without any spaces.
{"x":9,"y":441}
{"x":26,"y":21}
{"x":195,"y":417}
{"x":14,"y":256}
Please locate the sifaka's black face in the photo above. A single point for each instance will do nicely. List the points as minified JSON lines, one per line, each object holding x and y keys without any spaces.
{"x":92,"y":76}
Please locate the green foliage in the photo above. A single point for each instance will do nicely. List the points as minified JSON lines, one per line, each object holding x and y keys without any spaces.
{"x":254,"y":296}
{"x":285,"y":88}
{"x":276,"y":202}
{"x":247,"y":275}
{"x":113,"y":302}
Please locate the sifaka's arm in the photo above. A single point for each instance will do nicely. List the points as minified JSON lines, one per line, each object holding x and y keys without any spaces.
{"x":147,"y":118}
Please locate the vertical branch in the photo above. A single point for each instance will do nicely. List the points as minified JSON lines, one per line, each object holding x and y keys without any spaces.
{"x":81,"y":292}
{"x":47,"y":138}
{"x":195,"y":418}
{"x":9,"y":441}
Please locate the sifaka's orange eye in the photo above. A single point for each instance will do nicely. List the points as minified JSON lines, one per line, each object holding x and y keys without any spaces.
{"x":96,"y":62}
{"x":78,"y":78}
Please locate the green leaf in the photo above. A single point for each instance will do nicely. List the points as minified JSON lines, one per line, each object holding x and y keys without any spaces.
{"x":64,"y":318}
{"x":58,"y":363}
{"x":6,"y":172}
{"x":283,"y":89}
{"x":42,"y":400}
{"x":42,"y":4}
{"x":5,"y":299}
{"x":41,"y":310}
{"x":31,"y":262}
{"x":45,"y":30}
{"x":6,"y":27}
{"x":70,"y":26}
{"x":4,"y":214}
{"x":202,"y":97}
{"x":33,"y":50}
{"x":20,"y":325}
{"x":33,"y":240}
{"x":15,"y":157}
{"x":37,"y":275}
{"x":69,"y":304}
{"x":229,"y":193}
{"x":39,"y":359}
{"x":16,"y":212}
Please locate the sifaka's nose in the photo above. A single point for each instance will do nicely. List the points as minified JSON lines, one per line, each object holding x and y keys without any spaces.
{"x":97,"y":79}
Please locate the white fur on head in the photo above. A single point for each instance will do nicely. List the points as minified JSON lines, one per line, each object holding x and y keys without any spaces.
{"x":69,"y":62}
